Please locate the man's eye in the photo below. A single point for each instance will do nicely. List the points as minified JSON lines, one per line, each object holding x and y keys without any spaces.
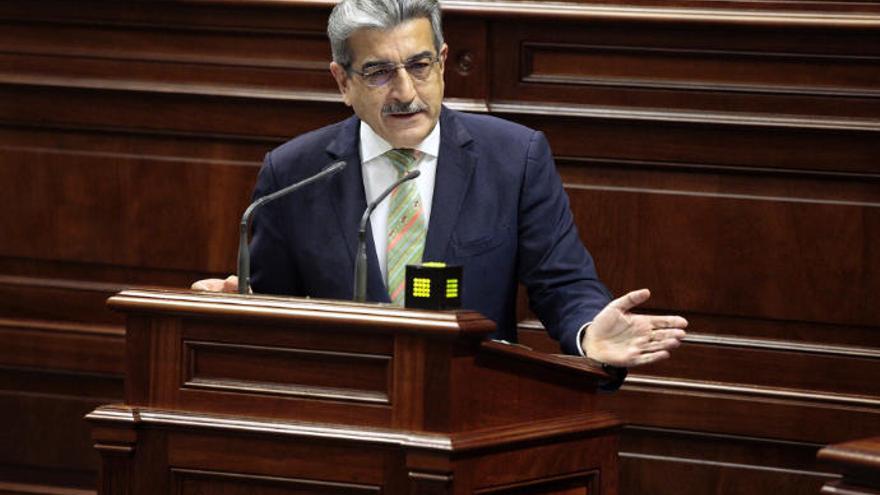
{"x":418,"y":65}
{"x":378,"y":73}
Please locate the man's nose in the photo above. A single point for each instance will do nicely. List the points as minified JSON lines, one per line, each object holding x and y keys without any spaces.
{"x":402,"y":85}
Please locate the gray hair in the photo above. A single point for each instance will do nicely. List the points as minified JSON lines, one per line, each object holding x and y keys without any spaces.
{"x":351,"y":15}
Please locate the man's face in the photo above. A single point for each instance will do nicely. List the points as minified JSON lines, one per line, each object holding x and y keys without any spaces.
{"x":404,"y":110}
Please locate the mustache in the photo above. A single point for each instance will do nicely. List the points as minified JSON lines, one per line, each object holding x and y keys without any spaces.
{"x":403,"y":108}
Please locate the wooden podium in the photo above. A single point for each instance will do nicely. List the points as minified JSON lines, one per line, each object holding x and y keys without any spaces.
{"x":859,"y":463}
{"x":259,"y":395}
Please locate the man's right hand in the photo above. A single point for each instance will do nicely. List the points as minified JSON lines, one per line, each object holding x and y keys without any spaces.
{"x":230,"y":284}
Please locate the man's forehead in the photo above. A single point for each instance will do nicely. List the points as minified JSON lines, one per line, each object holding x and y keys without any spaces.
{"x":405,"y":41}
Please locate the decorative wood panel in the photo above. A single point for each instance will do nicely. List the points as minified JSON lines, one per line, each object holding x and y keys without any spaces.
{"x":824,"y":73}
{"x":108,"y":208}
{"x":766,"y":257}
{"x":45,"y":448}
{"x":356,"y":377}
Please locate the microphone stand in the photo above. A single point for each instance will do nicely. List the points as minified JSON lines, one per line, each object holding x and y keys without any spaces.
{"x":360,"y":264}
{"x":244,"y":257}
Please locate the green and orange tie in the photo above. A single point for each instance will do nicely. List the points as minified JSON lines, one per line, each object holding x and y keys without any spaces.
{"x":407,"y":225}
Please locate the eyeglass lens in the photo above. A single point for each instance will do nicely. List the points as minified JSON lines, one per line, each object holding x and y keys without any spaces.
{"x":381,"y":75}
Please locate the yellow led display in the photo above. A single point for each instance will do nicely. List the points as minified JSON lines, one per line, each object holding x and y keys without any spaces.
{"x":452,"y":288}
{"x":421,"y":287}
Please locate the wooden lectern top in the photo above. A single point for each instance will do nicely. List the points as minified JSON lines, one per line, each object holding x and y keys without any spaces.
{"x":365,"y":317}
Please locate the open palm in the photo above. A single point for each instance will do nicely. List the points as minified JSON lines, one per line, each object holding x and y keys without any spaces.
{"x":621,"y":338}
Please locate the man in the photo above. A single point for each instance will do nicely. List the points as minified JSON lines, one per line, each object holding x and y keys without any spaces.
{"x":488,"y":198}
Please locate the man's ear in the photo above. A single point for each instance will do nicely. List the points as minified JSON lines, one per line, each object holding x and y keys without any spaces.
{"x":342,"y":81}
{"x":444,"y":51}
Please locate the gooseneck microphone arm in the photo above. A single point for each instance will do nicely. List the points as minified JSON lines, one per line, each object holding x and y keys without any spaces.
{"x":360,"y":264}
{"x":244,"y":256}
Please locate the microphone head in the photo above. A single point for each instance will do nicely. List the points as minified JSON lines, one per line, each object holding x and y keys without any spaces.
{"x":412,"y":174}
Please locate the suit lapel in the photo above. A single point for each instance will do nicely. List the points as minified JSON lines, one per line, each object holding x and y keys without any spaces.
{"x":455,"y":166}
{"x":349,"y":203}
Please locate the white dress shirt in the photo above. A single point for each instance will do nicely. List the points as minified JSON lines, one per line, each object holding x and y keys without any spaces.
{"x":379,"y":174}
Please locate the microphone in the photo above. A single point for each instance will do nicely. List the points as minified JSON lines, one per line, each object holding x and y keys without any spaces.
{"x":244,"y":257}
{"x":360,"y":264}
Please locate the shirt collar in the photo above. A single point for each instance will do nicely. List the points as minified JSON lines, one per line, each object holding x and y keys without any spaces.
{"x":373,"y":145}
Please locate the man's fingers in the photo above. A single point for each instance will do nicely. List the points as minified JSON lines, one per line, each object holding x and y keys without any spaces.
{"x":640,"y":339}
{"x":660,"y":345}
{"x":670,"y":333}
{"x":209,"y":285}
{"x":668,"y":322}
{"x":230,"y":284}
{"x":630,"y":300}
{"x":650,"y":357}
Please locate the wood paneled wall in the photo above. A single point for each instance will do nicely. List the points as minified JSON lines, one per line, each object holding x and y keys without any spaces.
{"x":723,"y":154}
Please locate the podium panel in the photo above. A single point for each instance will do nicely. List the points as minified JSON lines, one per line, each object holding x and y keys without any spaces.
{"x":247,"y":394}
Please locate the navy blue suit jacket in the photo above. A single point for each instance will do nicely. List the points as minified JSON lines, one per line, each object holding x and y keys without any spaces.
{"x":499,"y":210}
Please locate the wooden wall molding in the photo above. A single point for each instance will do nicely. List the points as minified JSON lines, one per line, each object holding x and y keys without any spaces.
{"x":747,"y":467}
{"x":838,"y":14}
{"x":720,"y":447}
{"x":821,"y":16}
{"x":783,"y":345}
{"x":673,"y":117}
{"x":695,"y":69}
{"x":94,"y":89}
{"x":741,"y":415}
{"x":24,"y":283}
{"x":722,"y":195}
{"x":702,"y":460}
{"x":664,"y":384}
{"x":26,"y":488}
{"x":831,"y":364}
{"x":48,"y":344}
{"x":713,"y":473}
{"x":140,"y":87}
{"x":780,"y":149}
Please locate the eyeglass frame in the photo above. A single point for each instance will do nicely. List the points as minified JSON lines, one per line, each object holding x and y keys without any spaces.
{"x":394,"y":68}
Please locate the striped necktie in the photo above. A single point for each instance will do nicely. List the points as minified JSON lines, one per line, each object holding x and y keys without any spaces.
{"x":406,"y":225}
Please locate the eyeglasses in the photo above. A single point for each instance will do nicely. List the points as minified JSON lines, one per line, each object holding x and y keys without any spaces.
{"x":379,"y":75}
